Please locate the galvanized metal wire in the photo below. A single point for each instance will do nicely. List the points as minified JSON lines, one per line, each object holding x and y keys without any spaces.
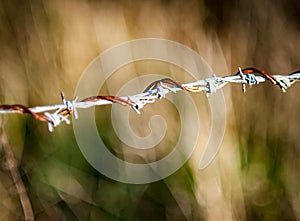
{"x":56,"y":114}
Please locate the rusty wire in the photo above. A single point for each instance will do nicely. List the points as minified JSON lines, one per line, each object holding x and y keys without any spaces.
{"x":156,"y":90}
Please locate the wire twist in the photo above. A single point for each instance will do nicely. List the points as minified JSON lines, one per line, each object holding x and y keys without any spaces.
{"x":156,"y":90}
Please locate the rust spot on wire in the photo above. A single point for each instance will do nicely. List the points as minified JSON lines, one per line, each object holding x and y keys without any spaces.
{"x":20,"y":109}
{"x":113,"y":99}
{"x":158,"y":83}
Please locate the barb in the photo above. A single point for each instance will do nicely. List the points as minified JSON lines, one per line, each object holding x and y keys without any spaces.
{"x":156,"y":90}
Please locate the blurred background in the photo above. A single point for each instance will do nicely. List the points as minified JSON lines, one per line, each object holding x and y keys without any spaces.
{"x":45,"y":47}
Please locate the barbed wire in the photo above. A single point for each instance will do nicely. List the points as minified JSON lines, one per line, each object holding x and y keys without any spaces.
{"x":156,"y":90}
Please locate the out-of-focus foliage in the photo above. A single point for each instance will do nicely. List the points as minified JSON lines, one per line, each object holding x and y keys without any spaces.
{"x":45,"y":47}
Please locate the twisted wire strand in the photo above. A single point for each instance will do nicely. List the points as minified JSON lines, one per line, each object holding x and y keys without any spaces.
{"x":156,"y":90}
